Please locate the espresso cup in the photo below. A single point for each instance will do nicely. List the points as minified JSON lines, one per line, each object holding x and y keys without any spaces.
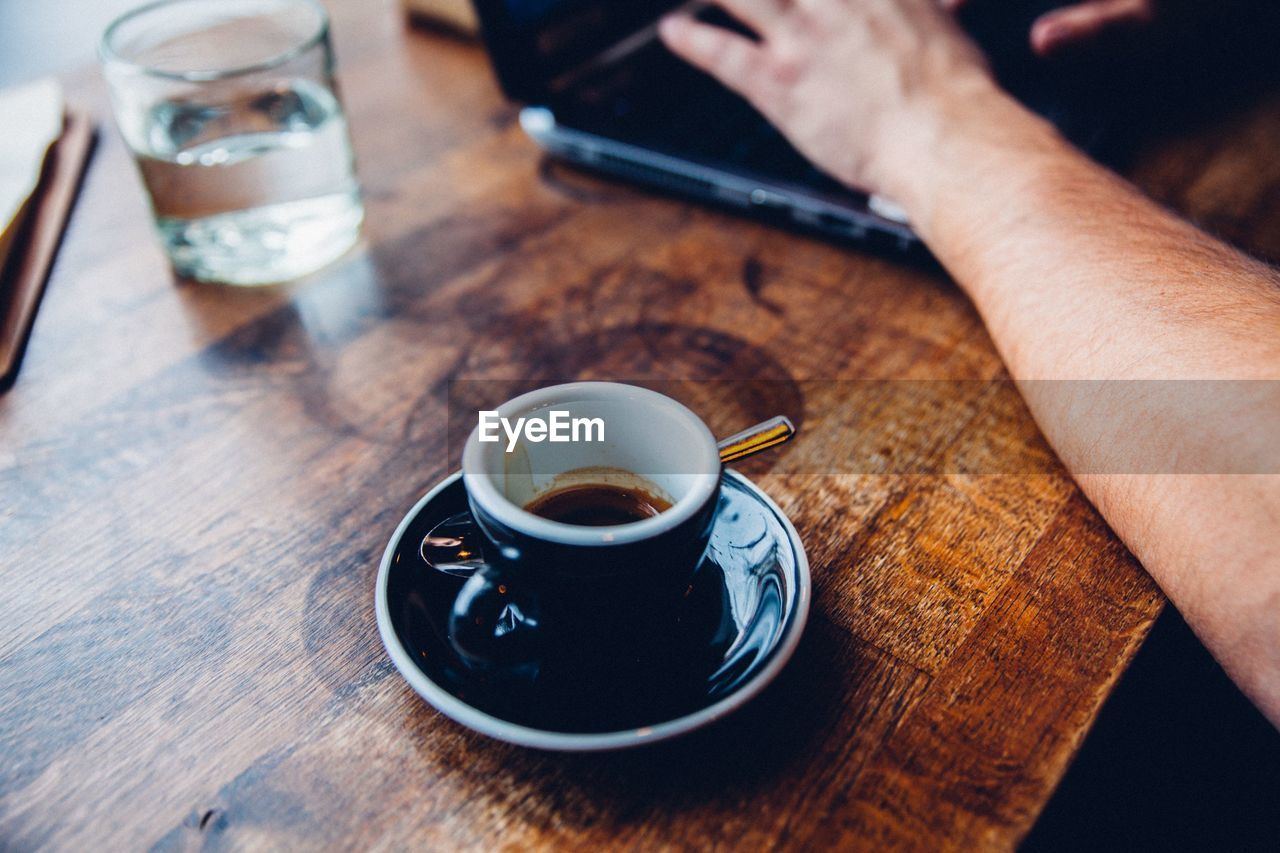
{"x":548,"y":587}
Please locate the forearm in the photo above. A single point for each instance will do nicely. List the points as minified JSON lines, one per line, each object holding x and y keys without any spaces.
{"x":1079,"y":277}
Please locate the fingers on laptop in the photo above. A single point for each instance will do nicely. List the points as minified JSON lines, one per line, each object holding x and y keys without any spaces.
{"x":1074,"y":23}
{"x":757,"y":14}
{"x":725,"y":55}
{"x":1083,"y":21}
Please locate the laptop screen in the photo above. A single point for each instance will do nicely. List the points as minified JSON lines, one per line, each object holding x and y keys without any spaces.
{"x":532,"y":42}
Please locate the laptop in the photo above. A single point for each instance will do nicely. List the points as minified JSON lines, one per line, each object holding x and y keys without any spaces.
{"x":601,"y":91}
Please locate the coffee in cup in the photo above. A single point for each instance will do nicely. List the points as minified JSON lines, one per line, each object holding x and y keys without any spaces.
{"x":595,"y":499}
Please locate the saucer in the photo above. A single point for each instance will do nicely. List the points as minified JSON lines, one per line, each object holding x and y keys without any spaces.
{"x":740,"y":624}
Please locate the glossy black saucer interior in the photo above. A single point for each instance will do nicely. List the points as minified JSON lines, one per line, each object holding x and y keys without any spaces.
{"x":732,"y":619}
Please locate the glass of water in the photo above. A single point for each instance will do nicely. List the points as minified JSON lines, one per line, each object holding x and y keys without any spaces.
{"x":231,"y":111}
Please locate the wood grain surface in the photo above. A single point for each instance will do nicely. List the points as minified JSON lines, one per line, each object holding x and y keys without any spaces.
{"x":198,"y":482}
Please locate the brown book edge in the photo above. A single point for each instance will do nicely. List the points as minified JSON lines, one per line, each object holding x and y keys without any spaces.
{"x":36,"y":244}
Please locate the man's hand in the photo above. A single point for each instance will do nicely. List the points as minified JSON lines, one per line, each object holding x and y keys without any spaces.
{"x":1077,"y":275}
{"x":1078,"y":23}
{"x":867,"y":89}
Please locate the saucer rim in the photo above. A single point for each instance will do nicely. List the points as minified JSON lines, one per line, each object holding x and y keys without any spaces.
{"x":528,"y":736}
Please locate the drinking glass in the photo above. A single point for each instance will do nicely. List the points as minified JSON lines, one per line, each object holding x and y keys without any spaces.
{"x":232,"y":114}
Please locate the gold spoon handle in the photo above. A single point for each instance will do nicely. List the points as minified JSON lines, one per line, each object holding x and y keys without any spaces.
{"x":752,"y":440}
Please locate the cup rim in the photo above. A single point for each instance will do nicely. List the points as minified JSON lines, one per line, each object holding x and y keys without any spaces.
{"x":109,"y":56}
{"x":481,"y":489}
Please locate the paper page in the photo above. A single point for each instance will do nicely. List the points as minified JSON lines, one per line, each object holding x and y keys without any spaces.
{"x":30,"y":121}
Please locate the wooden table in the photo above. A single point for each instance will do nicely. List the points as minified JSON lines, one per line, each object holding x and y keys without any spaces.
{"x":198,"y":483}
